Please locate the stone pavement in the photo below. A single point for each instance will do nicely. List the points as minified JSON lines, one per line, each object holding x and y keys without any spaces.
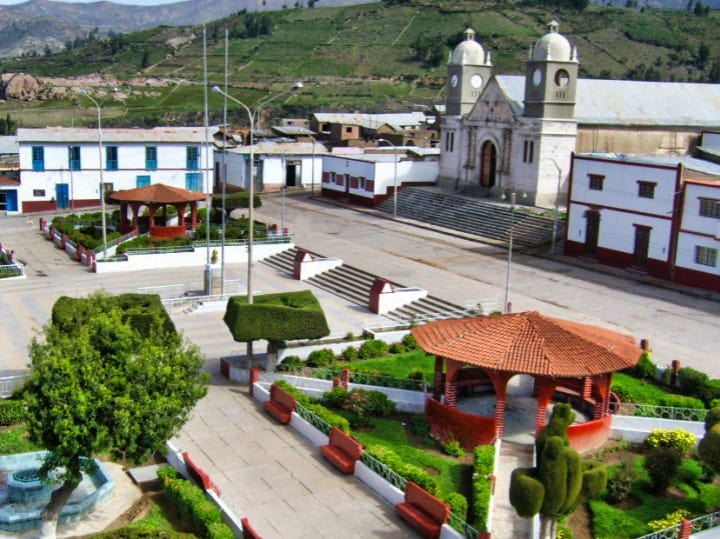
{"x":272,"y":475}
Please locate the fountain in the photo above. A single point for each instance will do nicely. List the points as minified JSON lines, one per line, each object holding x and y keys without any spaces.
{"x":23,"y":493}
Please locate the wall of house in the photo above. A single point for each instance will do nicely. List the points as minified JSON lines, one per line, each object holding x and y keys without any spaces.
{"x":710,"y":138}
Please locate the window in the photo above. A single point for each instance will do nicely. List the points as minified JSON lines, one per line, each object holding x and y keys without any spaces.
{"x":151,"y":157}
{"x":705,"y":256}
{"x":333,"y":178}
{"x":363,"y":182}
{"x":596,"y":182}
{"x":710,"y":208}
{"x":192,"y":181}
{"x":192,"y":158}
{"x":111,"y":157}
{"x":646,"y":189}
{"x":528,"y":151}
{"x":142,"y":181}
{"x":74,"y":157}
{"x":38,"y":192}
{"x":348,"y":129}
{"x":38,"y":158}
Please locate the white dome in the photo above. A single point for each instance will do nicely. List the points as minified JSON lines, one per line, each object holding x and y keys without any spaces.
{"x":552,"y":46}
{"x":469,"y":51}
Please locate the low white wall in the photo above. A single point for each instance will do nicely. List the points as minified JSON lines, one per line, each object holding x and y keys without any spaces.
{"x":406,"y":400}
{"x":318,"y":266}
{"x":236,"y":254}
{"x":378,"y":485}
{"x":636,"y":429}
{"x":260,"y":393}
{"x":311,"y":434}
{"x":399,"y":297}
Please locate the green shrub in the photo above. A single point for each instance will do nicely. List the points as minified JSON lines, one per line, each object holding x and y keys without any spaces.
{"x":12,"y":412}
{"x":380,"y":405}
{"x":350,"y":354}
{"x":662,"y":465}
{"x":409,"y":471}
{"x":373,"y":348}
{"x":453,"y":448}
{"x":235,"y":200}
{"x":457,"y":502}
{"x":220,"y":530}
{"x":336,"y":397}
{"x":691,"y":472}
{"x":620,"y":482}
{"x":681,"y":401}
{"x":673,"y":519}
{"x":678,"y":439}
{"x":692,"y":381}
{"x":419,"y":426}
{"x":709,"y":448}
{"x":646,"y":368}
{"x":333,"y":419}
{"x":482,"y":484}
{"x":715,"y":403}
{"x":167,"y":472}
{"x":290,"y":363}
{"x":192,"y":504}
{"x":410,"y":342}
{"x":712,"y":418}
{"x":710,"y":497}
{"x":711,"y":392}
{"x":301,"y":397}
{"x":416,"y":374}
{"x":397,"y":348}
{"x":321,"y":358}
{"x":526,"y":492}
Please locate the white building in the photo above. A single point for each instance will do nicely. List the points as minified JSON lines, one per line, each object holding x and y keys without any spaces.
{"x":656,"y":214}
{"x":510,"y":132}
{"x":367,"y":178}
{"x":277,"y":165}
{"x":61,"y":167}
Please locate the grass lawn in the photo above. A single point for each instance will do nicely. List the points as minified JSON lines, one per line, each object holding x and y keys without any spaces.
{"x":397,"y":365}
{"x":14,"y":440}
{"x":631,"y":389}
{"x":451,"y":473}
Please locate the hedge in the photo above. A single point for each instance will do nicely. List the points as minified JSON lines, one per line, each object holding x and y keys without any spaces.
{"x":333,"y":419}
{"x":12,"y":412}
{"x":235,"y":200}
{"x":276,"y":317}
{"x":482,"y":484}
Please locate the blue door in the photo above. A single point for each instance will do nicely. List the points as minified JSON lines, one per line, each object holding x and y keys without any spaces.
{"x":62,"y":195}
{"x":11,"y":201}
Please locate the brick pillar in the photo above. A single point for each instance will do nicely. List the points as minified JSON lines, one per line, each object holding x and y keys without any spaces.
{"x":345,"y":379}
{"x":674,"y":369}
{"x":500,"y":417}
{"x":598,"y":410}
{"x":450,"y":394}
{"x":685,"y":529}
{"x":645,"y":345}
{"x":437,"y":380}
{"x":336,"y":382}
{"x":587,"y":388}
{"x":540,"y":418}
{"x":484,"y":535}
{"x":254,"y":377}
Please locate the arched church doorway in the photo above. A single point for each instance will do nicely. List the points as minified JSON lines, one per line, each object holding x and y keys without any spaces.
{"x":488,"y":164}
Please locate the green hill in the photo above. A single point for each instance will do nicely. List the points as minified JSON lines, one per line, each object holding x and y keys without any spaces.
{"x":362,"y":57}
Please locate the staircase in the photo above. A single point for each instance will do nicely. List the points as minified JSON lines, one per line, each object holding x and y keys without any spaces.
{"x":353,"y":285}
{"x":471,"y":216}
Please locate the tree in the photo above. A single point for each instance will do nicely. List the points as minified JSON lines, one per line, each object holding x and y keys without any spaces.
{"x":109,"y":377}
{"x":561,"y":481}
{"x":709,"y":446}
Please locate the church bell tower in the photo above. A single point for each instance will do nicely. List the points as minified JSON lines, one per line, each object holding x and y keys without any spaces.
{"x":469,"y":70}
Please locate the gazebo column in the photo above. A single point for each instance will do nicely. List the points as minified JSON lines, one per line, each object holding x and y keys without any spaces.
{"x":437,"y":380}
{"x":123,"y":214}
{"x":452,"y":369}
{"x":181,"y":214}
{"x":545,"y":389}
{"x":499,"y":381}
{"x":136,"y":216}
{"x":601,"y":408}
{"x":587,"y":388}
{"x":193,"y":214}
{"x":153,"y":210}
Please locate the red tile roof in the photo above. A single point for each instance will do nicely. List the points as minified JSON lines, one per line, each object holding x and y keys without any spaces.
{"x":158,"y":193}
{"x":529,"y":343}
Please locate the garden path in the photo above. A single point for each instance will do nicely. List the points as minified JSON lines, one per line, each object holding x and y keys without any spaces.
{"x":506,"y":523}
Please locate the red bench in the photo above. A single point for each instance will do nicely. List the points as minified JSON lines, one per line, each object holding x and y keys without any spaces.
{"x":248,"y":531}
{"x":281,"y":404}
{"x":342,"y":451}
{"x":423,"y":511}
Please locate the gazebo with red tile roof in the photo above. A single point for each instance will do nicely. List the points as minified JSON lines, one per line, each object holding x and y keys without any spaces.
{"x":561,"y":356}
{"x":154,"y":197}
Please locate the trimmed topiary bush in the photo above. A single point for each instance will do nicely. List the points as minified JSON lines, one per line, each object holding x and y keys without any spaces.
{"x":646,"y":368}
{"x":350,"y":354}
{"x":526,"y":492}
{"x":320,"y":358}
{"x":692,"y":381}
{"x":410,"y":342}
{"x":290,"y":364}
{"x":482,"y":484}
{"x":662,"y":465}
{"x":373,"y":348}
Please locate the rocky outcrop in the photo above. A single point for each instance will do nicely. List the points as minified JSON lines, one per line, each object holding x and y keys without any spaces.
{"x":22,"y":87}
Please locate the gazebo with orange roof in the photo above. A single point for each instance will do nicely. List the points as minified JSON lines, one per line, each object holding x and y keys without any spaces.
{"x":154,"y":197}
{"x":570,"y":358}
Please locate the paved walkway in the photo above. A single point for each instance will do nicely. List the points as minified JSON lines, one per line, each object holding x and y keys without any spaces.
{"x":272,"y":475}
{"x":506,"y":523}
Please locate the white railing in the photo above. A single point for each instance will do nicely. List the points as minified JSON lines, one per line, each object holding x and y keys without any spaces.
{"x":659,"y":412}
{"x":706,"y":522}
{"x":8,"y":384}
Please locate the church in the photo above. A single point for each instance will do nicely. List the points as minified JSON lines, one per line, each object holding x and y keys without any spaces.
{"x":515,"y":133}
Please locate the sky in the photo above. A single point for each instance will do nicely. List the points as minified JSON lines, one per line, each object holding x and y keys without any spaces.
{"x":133,"y":2}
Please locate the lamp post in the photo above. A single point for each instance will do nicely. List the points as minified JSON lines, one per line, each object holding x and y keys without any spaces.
{"x":258,"y":108}
{"x":556,"y":210}
{"x":100,"y":168}
{"x":395,"y":180}
{"x":510,"y":250}
{"x":251,"y":195}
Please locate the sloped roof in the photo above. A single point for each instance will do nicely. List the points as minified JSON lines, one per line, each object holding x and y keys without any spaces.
{"x":157,"y":193}
{"x":529,"y":343}
{"x":194,"y":135}
{"x":373,"y":121}
{"x":623,"y":102}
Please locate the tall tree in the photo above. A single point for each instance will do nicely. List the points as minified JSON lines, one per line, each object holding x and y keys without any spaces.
{"x":107,"y":376}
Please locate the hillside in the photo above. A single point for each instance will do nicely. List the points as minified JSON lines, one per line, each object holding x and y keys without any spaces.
{"x":360,"y":57}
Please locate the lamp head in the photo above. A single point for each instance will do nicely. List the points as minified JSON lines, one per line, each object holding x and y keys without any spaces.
{"x":298,"y":84}
{"x":217,"y":89}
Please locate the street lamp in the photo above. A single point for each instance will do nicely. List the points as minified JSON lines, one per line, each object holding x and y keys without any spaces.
{"x":395,"y":181}
{"x":258,"y":107}
{"x":251,"y":194}
{"x":100,"y":168}
{"x":510,"y":250}
{"x":556,"y":210}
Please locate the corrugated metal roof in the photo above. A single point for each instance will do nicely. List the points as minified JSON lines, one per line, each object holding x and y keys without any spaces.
{"x":688,"y":162}
{"x":620,"y":102}
{"x":285,"y":148}
{"x":76,"y":134}
{"x":373,"y":121}
{"x":294,"y":130}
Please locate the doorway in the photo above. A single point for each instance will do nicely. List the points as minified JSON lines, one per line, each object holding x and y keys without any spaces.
{"x":62,"y":195}
{"x":642,"y":246}
{"x":292,"y":169}
{"x":488,"y":164}
{"x":592,"y":232}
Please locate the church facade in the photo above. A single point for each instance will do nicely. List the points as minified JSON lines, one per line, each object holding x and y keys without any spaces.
{"x":517,"y":133}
